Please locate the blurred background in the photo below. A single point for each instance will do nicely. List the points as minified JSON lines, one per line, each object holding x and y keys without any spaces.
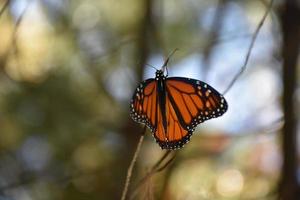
{"x":68,"y":69}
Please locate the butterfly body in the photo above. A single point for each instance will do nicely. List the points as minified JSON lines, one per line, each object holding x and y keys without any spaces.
{"x":173,"y":106}
{"x":161,"y":92}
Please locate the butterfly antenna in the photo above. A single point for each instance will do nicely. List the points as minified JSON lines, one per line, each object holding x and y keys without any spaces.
{"x":167,"y":60}
{"x":151,"y":66}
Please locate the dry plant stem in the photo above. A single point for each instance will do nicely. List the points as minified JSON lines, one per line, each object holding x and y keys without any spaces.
{"x":18,"y":23}
{"x":250,"y":48}
{"x":132,"y":163}
{"x":161,"y":159}
{"x":165,"y":165}
{"x":13,"y":46}
{"x":155,"y":169}
{"x":4,"y":7}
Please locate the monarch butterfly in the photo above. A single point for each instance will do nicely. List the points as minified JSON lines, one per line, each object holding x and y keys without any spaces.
{"x":173,"y":106}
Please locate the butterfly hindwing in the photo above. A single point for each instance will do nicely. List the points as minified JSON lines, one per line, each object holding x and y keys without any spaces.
{"x":176,"y":135}
{"x":143,"y":104}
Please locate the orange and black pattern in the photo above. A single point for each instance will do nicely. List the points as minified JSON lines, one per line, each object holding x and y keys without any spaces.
{"x":187,"y":103}
{"x":144,"y":104}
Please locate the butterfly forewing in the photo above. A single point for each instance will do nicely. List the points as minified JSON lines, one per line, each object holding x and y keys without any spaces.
{"x":195,"y":100}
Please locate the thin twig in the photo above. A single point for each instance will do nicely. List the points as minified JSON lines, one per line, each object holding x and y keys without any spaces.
{"x":133,"y":161}
{"x":17,"y":27}
{"x":159,"y":169}
{"x":161,"y":159}
{"x":155,"y":169}
{"x":4,"y":7}
{"x":250,"y":48}
{"x":13,"y":43}
{"x":18,"y":24}
{"x":115,"y":48}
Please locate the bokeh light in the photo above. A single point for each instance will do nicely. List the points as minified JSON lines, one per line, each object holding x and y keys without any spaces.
{"x":230,"y":183}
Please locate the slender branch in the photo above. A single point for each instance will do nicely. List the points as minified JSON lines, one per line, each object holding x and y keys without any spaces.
{"x":116,"y":48}
{"x":161,"y":160}
{"x":16,"y":28}
{"x":250,"y":48}
{"x":13,"y":43}
{"x":18,"y":24}
{"x":157,"y":167}
{"x":133,"y":161}
{"x":272,"y":128}
{"x":4,"y":7}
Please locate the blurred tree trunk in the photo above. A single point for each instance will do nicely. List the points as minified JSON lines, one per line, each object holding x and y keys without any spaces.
{"x":132,"y":130}
{"x":290,"y":22}
{"x":144,"y":37}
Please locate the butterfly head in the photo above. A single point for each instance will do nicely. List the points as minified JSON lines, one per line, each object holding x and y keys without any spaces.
{"x":159,"y":74}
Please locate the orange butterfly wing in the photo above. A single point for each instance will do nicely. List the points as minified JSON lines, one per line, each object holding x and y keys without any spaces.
{"x":189,"y":102}
{"x":144,"y":104}
{"x":176,"y":135}
{"x":196,"y":100}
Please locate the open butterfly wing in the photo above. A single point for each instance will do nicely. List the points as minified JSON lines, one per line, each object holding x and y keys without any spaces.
{"x":195,"y":101}
{"x":176,"y":135}
{"x":189,"y":102}
{"x":143,"y":107}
